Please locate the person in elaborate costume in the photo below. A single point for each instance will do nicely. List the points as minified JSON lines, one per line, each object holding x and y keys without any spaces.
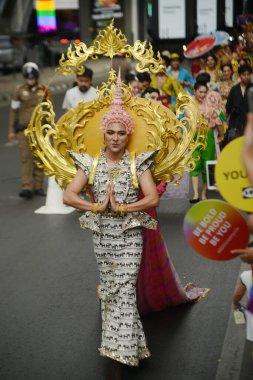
{"x":210,"y":104}
{"x":213,"y":69}
{"x":167,"y":85}
{"x":116,"y":218}
{"x":225,"y":85}
{"x":121,"y":187}
{"x":180,"y":74}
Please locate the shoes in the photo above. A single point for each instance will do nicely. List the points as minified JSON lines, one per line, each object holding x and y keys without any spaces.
{"x":27,"y":194}
{"x":194,"y":200}
{"x":40,"y":192}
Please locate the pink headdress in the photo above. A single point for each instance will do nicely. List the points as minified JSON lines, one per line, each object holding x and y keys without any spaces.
{"x":117,"y":113}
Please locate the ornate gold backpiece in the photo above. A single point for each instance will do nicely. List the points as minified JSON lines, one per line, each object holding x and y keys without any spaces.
{"x":156,"y":127}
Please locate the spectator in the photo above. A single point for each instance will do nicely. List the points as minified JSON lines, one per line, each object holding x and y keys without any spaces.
{"x":83,"y":92}
{"x":237,"y":105}
{"x":24,"y":100}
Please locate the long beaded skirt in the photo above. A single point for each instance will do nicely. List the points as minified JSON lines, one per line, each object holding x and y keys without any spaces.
{"x":118,"y":255}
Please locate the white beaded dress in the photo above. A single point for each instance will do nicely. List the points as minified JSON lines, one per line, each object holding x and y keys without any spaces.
{"x":118,"y":245}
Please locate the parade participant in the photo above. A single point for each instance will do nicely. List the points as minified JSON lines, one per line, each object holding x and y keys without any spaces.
{"x":116,"y":217}
{"x":144,"y":79}
{"x":197,"y":65}
{"x":244,"y":61}
{"x":134,"y":83}
{"x":212,"y":68}
{"x":241,"y":61}
{"x":209,"y":103}
{"x":114,"y":178}
{"x":182,"y":75}
{"x":167,"y":86}
{"x":237,"y":104}
{"x":228,"y":51}
{"x":83,"y":92}
{"x":24,"y":100}
{"x":165,"y":60}
{"x":151,"y":93}
{"x":225,"y":85}
{"x":120,"y":62}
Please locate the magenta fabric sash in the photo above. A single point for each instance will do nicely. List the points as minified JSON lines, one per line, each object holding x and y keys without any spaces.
{"x":158,"y":284}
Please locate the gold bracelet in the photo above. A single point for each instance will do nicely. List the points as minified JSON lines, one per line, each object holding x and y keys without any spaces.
{"x":121,"y":209}
{"x":100,"y":208}
{"x":96,"y":208}
{"x":125,"y":209}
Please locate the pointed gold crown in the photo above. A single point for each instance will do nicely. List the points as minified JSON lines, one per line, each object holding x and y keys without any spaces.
{"x":117,"y":114}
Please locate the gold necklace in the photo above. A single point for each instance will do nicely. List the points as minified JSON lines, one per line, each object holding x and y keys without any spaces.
{"x":115,"y":170}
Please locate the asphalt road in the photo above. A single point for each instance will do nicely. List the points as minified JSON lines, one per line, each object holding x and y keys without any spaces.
{"x":49,"y":312}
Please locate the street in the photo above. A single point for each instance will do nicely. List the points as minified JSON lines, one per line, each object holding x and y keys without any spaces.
{"x":49,"y":311}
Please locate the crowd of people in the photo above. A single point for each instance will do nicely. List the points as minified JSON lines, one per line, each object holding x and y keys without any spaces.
{"x":219,"y":84}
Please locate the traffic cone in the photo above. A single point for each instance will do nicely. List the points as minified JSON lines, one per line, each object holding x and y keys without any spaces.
{"x":54,"y":200}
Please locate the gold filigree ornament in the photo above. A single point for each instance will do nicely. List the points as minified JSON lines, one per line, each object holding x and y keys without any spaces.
{"x":156,"y":127}
{"x":110,"y":42}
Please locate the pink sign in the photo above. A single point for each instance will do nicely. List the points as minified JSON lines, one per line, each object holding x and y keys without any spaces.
{"x":213,"y":228}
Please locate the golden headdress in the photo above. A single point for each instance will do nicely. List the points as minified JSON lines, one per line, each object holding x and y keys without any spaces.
{"x":156,"y":127}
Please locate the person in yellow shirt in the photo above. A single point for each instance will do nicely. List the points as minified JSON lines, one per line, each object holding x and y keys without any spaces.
{"x":167,"y":86}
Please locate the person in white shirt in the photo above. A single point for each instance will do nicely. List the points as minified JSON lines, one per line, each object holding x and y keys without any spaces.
{"x":83,"y":92}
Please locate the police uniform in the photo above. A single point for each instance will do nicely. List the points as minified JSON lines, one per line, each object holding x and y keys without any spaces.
{"x":23,"y":103}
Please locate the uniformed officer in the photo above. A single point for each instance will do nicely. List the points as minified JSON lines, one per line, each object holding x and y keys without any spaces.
{"x":25,"y":99}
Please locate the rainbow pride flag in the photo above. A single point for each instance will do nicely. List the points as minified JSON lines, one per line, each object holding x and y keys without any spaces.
{"x":46,"y":17}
